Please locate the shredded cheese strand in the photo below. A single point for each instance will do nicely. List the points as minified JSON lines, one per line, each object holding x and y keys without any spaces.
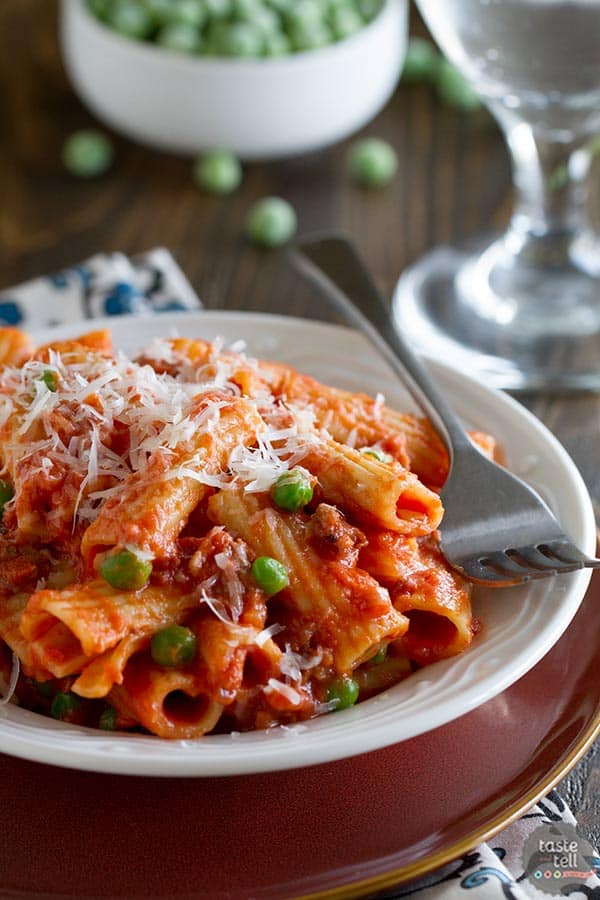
{"x":70,"y":432}
{"x":12,"y":683}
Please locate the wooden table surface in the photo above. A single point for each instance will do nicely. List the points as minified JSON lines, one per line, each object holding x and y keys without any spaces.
{"x":453,"y":181}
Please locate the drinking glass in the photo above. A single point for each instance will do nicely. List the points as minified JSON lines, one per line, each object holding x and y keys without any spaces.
{"x":523,"y":309}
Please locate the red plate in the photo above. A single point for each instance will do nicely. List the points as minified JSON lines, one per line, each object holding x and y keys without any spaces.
{"x":347,"y":827}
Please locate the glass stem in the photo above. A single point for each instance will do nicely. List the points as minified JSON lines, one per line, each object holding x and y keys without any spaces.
{"x":550,"y":182}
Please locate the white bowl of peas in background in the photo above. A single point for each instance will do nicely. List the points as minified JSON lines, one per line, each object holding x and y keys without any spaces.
{"x":178,"y":86}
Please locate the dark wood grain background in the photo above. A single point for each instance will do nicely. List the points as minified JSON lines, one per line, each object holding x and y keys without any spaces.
{"x":453,"y":181}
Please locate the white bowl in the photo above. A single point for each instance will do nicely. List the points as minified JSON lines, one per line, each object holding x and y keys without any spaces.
{"x":258,"y":108}
{"x":519,"y":625}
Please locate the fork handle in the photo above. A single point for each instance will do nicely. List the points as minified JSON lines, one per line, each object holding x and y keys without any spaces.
{"x":334,"y":265}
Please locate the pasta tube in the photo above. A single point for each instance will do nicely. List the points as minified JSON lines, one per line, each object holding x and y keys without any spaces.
{"x":326,"y":593}
{"x":374,"y":492}
{"x":66,"y":629}
{"x":152,"y":507}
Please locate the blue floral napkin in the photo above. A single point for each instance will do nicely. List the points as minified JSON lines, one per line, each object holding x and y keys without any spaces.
{"x":509,"y":868}
{"x":109,"y":284}
{"x":112,"y":285}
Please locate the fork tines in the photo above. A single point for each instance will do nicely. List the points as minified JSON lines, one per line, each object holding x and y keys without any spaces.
{"x":526,"y":563}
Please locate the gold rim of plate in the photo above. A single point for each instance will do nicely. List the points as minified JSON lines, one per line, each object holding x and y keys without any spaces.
{"x":397,"y":877}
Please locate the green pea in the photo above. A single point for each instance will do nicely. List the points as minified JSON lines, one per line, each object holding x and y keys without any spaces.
{"x":343,"y":692}
{"x":267,"y":21}
{"x":245,"y":10}
{"x":421,"y":61}
{"x":292,"y":490}
{"x":276,"y":43}
{"x":236,"y":39}
{"x":161,"y":11}
{"x":455,"y":90}
{"x":310,"y":37}
{"x":270,"y":575}
{"x":376,"y":454}
{"x":333,"y":5}
{"x":218,"y":9}
{"x":87,"y":153}
{"x":369,"y":9}
{"x":219,"y":172}
{"x":6,"y":493}
{"x":50,"y":379}
{"x":173,"y":646}
{"x":379,"y":657}
{"x":192,"y":13}
{"x":179,"y":38}
{"x":131,"y":19}
{"x":99,"y":8}
{"x":345,"y":22}
{"x":214,"y":37}
{"x":271,"y":222}
{"x":372,"y":162}
{"x":282,"y":7}
{"x":243,"y":39}
{"x":304,"y":14}
{"x":108,"y":719}
{"x":63,"y":705}
{"x":125,"y":570}
{"x":378,"y":674}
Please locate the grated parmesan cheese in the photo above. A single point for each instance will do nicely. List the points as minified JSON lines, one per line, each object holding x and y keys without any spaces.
{"x":12,"y":682}
{"x":291,"y":695}
{"x":277,"y":451}
{"x":267,"y":633}
{"x":73,"y":431}
{"x":378,"y":406}
{"x":231,"y":580}
{"x":216,"y":607}
{"x":292,"y":664}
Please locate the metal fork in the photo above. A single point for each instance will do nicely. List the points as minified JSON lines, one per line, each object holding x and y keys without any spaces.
{"x":496,"y":530}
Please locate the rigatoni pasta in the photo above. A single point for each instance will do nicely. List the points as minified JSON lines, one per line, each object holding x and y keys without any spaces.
{"x":194,"y":541}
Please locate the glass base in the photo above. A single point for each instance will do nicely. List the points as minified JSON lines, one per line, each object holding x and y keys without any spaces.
{"x":501,"y":320}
